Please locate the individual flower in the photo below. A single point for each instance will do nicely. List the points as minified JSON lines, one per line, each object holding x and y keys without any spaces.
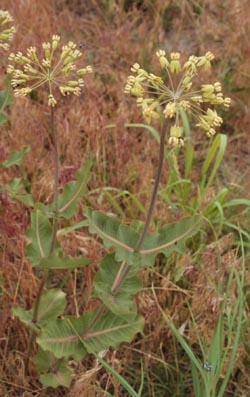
{"x":6,"y":33}
{"x":173,"y":94}
{"x":57,"y":68}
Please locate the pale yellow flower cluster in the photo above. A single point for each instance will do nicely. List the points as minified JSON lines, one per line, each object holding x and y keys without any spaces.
{"x":169,"y":95}
{"x":55,"y":69}
{"x":6,"y":33}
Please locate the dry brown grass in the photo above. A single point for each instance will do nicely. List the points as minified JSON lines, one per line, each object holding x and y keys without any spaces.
{"x":114,"y":38}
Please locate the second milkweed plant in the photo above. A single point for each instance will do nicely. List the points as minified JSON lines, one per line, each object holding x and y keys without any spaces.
{"x":166,"y":96}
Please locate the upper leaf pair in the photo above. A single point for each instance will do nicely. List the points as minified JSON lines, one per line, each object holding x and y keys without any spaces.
{"x":123,"y":238}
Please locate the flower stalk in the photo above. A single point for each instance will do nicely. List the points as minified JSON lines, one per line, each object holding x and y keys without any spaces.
{"x":155,"y":188}
{"x":53,"y":237}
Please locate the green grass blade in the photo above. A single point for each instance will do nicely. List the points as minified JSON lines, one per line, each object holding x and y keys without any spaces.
{"x":239,"y":201}
{"x":215,"y":353}
{"x":152,"y":130}
{"x":196,"y":332}
{"x":182,"y":341}
{"x":118,"y":377}
{"x":215,"y":153}
{"x":112,"y":201}
{"x":196,"y":381}
{"x":240,"y":301}
{"x":142,"y":381}
{"x":189,"y":151}
{"x":241,"y":231}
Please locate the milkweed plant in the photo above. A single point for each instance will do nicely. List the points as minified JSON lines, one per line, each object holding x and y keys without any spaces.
{"x":115,"y":319}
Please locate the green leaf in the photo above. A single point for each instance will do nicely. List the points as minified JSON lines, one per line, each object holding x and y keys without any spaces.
{"x":3,"y":118}
{"x":170,"y":238}
{"x":72,"y":192}
{"x":98,"y":331}
{"x":114,"y":234}
{"x":69,"y":229}
{"x":40,"y":234}
{"x":57,"y":336}
{"x":52,"y":305}
{"x":57,"y":262}
{"x":109,"y":331}
{"x":121,"y":302}
{"x":25,"y":316}
{"x":123,"y":238}
{"x":14,"y":186}
{"x":16,"y":157}
{"x":47,"y":210}
{"x":53,"y":372}
{"x":44,"y":360}
{"x":5,"y":99}
{"x":26,"y":199}
{"x":62,"y":376}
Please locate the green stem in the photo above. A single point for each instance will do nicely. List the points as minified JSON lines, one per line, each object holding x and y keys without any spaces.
{"x":56,"y":180}
{"x":155,"y":188}
{"x":53,"y":238}
{"x":125,"y":268}
{"x":34,"y":320}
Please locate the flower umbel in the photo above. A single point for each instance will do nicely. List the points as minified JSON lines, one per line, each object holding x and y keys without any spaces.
{"x":6,"y":34}
{"x":171,"y":95}
{"x":55,"y":69}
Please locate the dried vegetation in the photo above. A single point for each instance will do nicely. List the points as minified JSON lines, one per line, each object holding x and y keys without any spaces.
{"x":113,"y":35}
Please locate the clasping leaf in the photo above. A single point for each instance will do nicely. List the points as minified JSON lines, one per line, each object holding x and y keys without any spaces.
{"x":123,"y":238}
